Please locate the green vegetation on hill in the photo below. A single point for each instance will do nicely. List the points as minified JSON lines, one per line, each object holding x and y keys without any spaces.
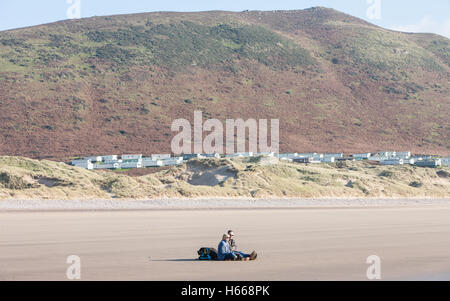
{"x":176,"y":46}
{"x":385,"y":51}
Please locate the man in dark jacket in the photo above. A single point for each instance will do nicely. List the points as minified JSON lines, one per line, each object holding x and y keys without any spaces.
{"x":233,"y":247}
{"x":232,"y":242}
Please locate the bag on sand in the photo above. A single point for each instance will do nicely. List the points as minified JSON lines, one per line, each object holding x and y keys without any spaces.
{"x":207,"y":254}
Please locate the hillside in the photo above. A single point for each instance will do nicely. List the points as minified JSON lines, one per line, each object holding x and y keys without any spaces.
{"x":115,"y":84}
{"x":26,"y":179}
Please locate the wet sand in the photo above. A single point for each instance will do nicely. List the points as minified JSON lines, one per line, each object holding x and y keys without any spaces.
{"x":293,"y":244}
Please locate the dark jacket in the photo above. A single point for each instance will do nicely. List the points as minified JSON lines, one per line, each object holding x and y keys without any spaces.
{"x":232,"y":244}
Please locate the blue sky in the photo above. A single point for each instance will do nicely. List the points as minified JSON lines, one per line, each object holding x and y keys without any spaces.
{"x":405,"y":15}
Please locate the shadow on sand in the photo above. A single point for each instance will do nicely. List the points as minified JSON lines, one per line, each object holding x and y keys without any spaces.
{"x":174,"y":260}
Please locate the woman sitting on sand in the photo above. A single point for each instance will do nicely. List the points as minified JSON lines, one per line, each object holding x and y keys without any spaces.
{"x":224,"y":251}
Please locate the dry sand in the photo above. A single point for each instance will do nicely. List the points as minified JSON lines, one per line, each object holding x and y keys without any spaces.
{"x":216,"y":203}
{"x":293,"y":244}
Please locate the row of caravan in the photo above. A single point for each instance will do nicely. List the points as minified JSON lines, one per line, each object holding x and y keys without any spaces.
{"x":160,"y":160}
{"x":127,"y":161}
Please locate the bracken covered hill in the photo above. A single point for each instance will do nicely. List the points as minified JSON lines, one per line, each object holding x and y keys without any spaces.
{"x":115,"y":84}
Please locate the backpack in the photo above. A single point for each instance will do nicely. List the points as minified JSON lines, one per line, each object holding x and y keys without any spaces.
{"x":207,"y":254}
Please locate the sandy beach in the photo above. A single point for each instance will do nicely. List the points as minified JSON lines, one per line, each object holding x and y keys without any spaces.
{"x":215,"y":203}
{"x":308,"y":243}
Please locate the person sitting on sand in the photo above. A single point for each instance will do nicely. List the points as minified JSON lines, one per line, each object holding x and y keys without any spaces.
{"x":224,"y":251}
{"x":233,"y":247}
{"x":232,"y":242}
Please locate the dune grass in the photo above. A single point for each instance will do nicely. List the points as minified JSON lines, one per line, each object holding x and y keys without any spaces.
{"x":22,"y":178}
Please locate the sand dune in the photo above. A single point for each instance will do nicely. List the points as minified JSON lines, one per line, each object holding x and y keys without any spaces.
{"x":22,"y":178}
